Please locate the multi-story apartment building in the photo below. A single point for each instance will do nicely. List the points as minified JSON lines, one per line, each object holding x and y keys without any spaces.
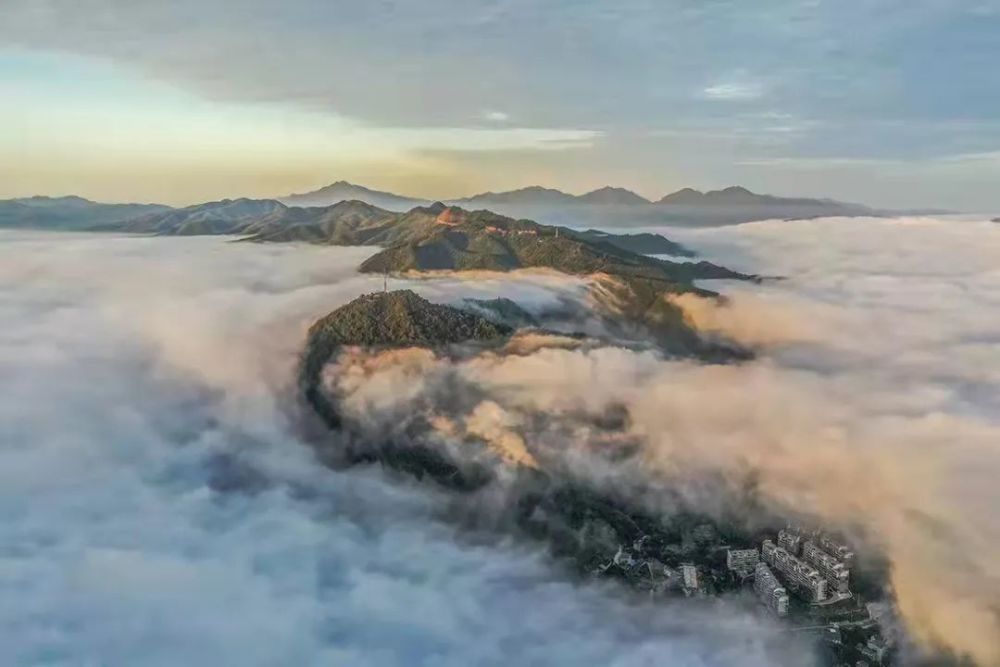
{"x":836,"y":573}
{"x":689,"y":574}
{"x":835,"y":548}
{"x":769,"y":590}
{"x":801,"y":576}
{"x":742,"y":561}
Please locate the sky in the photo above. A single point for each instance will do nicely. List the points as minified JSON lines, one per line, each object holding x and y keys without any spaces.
{"x":887,"y":102}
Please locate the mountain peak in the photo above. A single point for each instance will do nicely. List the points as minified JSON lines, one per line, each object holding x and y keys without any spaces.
{"x":354,"y":205}
{"x":532,"y":194}
{"x":612,"y":195}
{"x":437,"y":208}
{"x":42,"y":200}
{"x":734,"y":194}
{"x":402,"y":318}
{"x":734,"y":190}
{"x":683,"y":196}
{"x":338,"y":191}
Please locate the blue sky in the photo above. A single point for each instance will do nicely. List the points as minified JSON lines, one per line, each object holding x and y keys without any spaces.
{"x":889,"y":102}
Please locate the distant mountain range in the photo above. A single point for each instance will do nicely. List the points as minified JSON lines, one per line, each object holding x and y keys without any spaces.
{"x":607,"y":206}
{"x":740,"y":196}
{"x":347,"y":223}
{"x":229,"y":216}
{"x":67,"y":213}
{"x":604,"y":208}
{"x":534,"y":195}
{"x":629,"y":284}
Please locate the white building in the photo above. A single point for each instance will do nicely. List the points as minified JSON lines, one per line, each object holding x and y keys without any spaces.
{"x":835,"y":548}
{"x":769,"y":590}
{"x":836,"y":573}
{"x":689,"y":573}
{"x":801,"y":576}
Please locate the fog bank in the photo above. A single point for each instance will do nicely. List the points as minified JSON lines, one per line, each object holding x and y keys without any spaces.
{"x":158,"y":509}
{"x":873,"y":405}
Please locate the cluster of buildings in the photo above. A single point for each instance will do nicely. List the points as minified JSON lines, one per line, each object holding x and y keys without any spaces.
{"x":797,"y":573}
{"x":493,"y":229}
{"x":814,"y":566}
{"x":802,"y":577}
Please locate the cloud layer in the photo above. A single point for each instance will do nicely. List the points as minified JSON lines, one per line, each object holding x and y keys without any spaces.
{"x":152,"y":481}
{"x":157,"y":508}
{"x":872,"y":407}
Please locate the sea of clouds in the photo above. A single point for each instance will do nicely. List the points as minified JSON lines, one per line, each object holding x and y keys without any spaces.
{"x":878,"y":401}
{"x":873,"y":406}
{"x":158,"y":506}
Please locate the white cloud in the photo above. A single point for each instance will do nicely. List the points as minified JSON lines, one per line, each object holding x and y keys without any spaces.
{"x":733,"y":91}
{"x":496,"y":116}
{"x":873,"y":404}
{"x":141,"y":376}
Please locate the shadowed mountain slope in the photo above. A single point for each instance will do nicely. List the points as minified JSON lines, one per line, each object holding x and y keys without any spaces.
{"x":642,"y":243}
{"x":229,"y":216}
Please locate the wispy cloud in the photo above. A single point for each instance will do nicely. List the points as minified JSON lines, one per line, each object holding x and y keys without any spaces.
{"x":733,"y":91}
{"x":496,"y":116}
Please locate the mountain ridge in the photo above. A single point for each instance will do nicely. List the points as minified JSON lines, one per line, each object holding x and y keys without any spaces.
{"x":609,"y":205}
{"x":225,"y":216}
{"x":613,"y":195}
{"x":346,"y":191}
{"x":532,"y":194}
{"x":628,"y":287}
{"x":67,"y":213}
{"x":535,"y":194}
{"x":603,"y":207}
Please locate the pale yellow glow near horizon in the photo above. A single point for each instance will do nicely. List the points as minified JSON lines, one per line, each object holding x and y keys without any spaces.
{"x":133,"y":140}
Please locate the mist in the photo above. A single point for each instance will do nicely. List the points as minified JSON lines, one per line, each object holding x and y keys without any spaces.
{"x":159,"y":506}
{"x":155,"y":477}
